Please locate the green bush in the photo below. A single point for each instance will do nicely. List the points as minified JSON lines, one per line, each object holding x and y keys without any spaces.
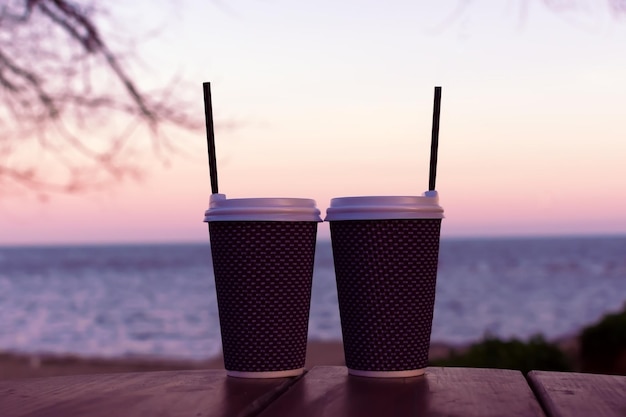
{"x":537,"y":354}
{"x":603,"y":345}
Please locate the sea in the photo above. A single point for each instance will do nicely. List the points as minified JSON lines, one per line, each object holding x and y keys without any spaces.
{"x":159,"y":300}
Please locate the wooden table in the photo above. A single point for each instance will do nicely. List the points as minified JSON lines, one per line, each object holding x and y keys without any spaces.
{"x":565,"y":394}
{"x":322,"y":391}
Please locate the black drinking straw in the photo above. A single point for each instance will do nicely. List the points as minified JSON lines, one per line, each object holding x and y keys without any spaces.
{"x":434,"y":143}
{"x":210,"y":135}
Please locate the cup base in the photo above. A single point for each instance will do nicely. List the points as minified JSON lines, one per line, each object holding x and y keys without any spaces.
{"x":266,"y":374}
{"x":388,"y":374}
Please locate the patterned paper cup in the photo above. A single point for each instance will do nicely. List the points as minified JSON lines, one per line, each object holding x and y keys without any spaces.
{"x":263,"y":252}
{"x":385,"y":251}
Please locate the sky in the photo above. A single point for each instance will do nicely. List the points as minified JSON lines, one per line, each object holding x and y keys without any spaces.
{"x":335,"y":99}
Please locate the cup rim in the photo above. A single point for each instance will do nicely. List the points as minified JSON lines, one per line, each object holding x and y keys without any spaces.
{"x":262,"y":209}
{"x":384,"y":207}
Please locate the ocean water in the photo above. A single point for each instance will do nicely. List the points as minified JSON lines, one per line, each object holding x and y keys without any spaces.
{"x":159,"y":300}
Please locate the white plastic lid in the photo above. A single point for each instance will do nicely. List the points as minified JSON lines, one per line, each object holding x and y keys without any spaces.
{"x":385,"y":207}
{"x":261,"y":209}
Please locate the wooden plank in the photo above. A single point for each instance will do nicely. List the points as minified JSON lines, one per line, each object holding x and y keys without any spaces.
{"x":164,"y":394}
{"x":330,"y":391}
{"x":570,"y":394}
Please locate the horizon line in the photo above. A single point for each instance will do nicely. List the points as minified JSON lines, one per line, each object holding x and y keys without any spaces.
{"x":319,"y":238}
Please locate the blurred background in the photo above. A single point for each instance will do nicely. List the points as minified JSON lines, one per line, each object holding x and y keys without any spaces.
{"x":103,"y":146}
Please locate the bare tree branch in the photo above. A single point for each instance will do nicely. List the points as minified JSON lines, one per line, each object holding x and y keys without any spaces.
{"x":68,"y":97}
{"x":615,"y":8}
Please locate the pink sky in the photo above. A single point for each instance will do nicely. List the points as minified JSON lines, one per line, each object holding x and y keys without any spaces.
{"x":532,"y":126}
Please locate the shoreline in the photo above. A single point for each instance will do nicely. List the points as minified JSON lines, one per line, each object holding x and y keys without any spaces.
{"x":17,"y":365}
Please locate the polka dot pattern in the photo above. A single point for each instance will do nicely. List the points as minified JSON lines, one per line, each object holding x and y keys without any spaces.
{"x":386,"y":273}
{"x":263,"y":273}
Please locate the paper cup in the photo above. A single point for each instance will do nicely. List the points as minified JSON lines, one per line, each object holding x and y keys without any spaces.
{"x":263,"y":253}
{"x":385,"y":252}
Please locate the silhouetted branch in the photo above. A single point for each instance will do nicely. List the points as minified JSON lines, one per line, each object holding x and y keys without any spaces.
{"x":67,"y":96}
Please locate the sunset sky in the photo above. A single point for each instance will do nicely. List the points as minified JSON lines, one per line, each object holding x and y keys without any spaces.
{"x":335,"y":99}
